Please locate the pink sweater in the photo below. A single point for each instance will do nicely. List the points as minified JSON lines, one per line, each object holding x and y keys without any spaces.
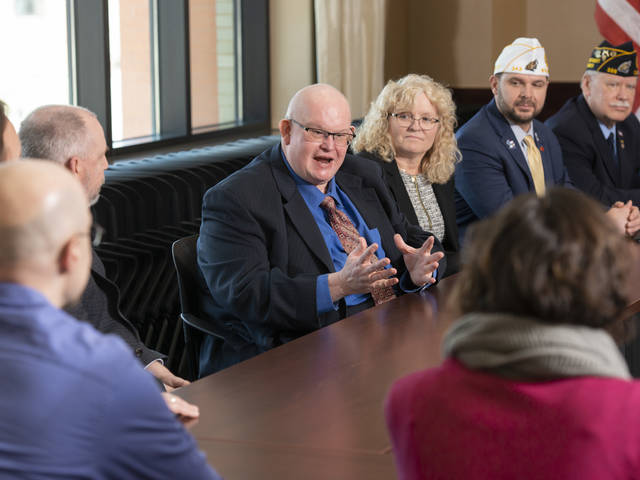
{"x":453,"y":423}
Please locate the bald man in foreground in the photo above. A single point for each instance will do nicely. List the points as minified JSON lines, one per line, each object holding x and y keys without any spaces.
{"x":63,"y":412}
{"x":304,"y":236}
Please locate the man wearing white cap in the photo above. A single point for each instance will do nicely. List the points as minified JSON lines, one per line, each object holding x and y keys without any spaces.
{"x":505,"y":150}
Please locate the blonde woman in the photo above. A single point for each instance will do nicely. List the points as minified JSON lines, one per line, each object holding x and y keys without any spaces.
{"x":409,"y":132}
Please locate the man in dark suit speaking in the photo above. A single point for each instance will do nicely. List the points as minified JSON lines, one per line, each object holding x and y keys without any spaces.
{"x":304,"y":236}
{"x":599,"y":136}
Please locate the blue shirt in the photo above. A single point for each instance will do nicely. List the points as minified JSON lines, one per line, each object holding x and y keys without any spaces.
{"x":313,"y":197}
{"x":77,"y":404}
{"x":606,"y":131}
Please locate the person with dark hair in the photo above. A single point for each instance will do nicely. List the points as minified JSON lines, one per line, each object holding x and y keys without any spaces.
{"x":597,"y":130}
{"x":9,"y":141}
{"x":408,"y":131}
{"x":506,"y":151}
{"x":533,"y":385}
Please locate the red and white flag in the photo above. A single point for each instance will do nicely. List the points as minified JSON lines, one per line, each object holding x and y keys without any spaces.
{"x":619,"y":22}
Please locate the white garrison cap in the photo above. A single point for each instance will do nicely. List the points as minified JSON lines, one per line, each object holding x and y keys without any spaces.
{"x":524,"y":55}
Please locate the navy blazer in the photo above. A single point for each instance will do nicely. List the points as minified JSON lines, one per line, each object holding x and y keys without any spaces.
{"x":493,"y":169}
{"x":588,"y":157}
{"x":444,"y":197}
{"x":260,"y":251}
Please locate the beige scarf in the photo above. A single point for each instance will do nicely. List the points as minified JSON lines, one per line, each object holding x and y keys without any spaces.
{"x":527,"y":349}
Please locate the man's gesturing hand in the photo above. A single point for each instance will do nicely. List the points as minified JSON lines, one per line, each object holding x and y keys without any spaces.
{"x":359,"y":273}
{"x":420,"y":262}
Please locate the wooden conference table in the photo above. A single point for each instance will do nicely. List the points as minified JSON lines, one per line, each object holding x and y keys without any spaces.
{"x":313,"y":408}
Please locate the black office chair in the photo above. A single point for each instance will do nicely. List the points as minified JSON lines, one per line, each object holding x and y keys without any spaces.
{"x":194,"y":326}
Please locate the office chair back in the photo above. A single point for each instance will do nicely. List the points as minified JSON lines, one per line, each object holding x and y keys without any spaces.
{"x":184,"y":253}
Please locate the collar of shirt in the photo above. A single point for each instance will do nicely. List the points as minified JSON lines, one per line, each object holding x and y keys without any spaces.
{"x":310,"y":193}
{"x":606,"y":131}
{"x":520,"y":134}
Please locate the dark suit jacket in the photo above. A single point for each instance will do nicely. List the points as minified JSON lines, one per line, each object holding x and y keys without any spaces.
{"x":588,"y":157}
{"x":444,"y":197}
{"x":260,"y":250}
{"x":99,"y":307}
{"x":493,"y":169}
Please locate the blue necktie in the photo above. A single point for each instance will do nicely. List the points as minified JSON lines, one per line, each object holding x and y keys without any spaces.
{"x":612,"y":146}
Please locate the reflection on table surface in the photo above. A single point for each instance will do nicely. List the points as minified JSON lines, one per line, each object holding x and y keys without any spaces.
{"x":313,"y":408}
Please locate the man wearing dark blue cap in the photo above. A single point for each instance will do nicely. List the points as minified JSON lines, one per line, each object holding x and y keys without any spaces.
{"x":599,"y":136}
{"x":507,"y":152}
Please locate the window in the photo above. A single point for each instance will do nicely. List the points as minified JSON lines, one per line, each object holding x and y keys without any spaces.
{"x":132,"y":93}
{"x":154,"y":71}
{"x":34,"y":55}
{"x":215,"y":72}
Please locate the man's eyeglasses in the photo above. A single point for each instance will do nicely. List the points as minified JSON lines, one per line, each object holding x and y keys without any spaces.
{"x":405,"y":119}
{"x":95,"y":234}
{"x":317,"y":135}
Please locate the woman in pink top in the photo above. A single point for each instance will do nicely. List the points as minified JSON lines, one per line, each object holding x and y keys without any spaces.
{"x":533,"y":386}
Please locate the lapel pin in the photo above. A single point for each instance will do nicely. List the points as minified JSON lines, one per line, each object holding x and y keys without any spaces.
{"x":541,"y":148}
{"x":511,"y":144}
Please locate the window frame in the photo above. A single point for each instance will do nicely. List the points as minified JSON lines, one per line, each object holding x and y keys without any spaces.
{"x":89,"y":61}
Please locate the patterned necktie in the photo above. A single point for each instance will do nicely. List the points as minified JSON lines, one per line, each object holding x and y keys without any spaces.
{"x":349,"y":238}
{"x":534,"y":159}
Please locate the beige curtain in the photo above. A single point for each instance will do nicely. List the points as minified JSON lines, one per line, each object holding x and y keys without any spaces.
{"x":350,"y":48}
